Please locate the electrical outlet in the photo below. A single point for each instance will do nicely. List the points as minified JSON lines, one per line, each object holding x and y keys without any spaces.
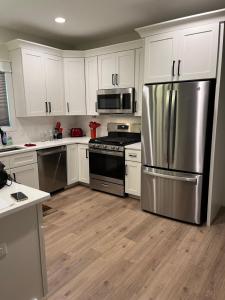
{"x":3,"y":250}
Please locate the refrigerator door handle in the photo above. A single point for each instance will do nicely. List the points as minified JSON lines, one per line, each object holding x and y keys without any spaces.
{"x":167,"y":123}
{"x":179,"y":178}
{"x":173,"y":125}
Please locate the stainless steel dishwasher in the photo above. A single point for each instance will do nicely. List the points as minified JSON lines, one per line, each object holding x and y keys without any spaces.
{"x":52,"y":169}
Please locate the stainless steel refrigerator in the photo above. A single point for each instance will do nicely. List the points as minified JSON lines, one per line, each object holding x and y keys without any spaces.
{"x":174,"y":130}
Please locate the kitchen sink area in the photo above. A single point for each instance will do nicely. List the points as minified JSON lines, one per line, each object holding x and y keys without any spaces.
{"x":8,"y":149}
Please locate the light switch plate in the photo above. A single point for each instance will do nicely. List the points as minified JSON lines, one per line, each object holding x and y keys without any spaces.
{"x":3,"y":250}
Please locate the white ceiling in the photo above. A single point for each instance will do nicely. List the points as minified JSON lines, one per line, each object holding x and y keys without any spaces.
{"x":94,"y":22}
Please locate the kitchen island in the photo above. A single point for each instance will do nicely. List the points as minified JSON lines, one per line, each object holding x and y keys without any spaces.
{"x":22,"y":255}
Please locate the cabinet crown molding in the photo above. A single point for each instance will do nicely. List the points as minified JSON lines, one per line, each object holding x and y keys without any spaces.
{"x":215,"y":16}
{"x":19,"y":43}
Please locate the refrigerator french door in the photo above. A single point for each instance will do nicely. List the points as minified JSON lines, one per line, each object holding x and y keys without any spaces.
{"x":174,"y":129}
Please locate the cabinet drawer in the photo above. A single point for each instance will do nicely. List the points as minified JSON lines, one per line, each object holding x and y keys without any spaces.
{"x":133,"y":155}
{"x":5,"y":161}
{"x":23,"y":159}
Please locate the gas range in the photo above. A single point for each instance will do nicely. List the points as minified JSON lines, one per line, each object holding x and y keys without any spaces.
{"x":107,"y":157}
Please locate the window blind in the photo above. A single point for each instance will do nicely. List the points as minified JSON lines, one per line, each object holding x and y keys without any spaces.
{"x":4,"y":112}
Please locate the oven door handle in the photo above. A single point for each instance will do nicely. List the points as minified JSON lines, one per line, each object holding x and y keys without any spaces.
{"x":107,"y":152}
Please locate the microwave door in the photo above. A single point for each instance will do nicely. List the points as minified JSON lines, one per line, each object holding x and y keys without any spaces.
{"x":109,"y":103}
{"x":155,"y":125}
{"x":189,"y":110}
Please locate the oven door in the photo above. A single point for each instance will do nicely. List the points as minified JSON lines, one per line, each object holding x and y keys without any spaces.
{"x":107,"y":166}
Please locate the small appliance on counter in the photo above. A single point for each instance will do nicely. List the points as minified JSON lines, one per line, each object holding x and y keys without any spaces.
{"x":58,"y":134}
{"x":76,"y":132}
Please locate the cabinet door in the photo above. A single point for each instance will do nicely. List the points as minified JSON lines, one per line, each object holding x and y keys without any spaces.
{"x":72,"y":164}
{"x":54,"y":84}
{"x":198,"y":49}
{"x":160,"y":56}
{"x":133,"y":178}
{"x":27,"y":175}
{"x":125,"y":69}
{"x":106,"y":70}
{"x":91,"y":75}
{"x":83,"y":157}
{"x":34,"y":82}
{"x":139,"y":80}
{"x":74,"y":86}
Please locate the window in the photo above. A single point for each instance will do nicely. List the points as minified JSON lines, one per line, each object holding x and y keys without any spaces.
{"x":4,"y":108}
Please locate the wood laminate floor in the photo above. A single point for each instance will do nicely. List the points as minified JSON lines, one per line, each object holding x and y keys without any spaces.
{"x":100,"y":246}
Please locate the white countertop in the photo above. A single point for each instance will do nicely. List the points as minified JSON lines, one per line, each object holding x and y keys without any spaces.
{"x":47,"y":144}
{"x":34,"y":197}
{"x":136,"y":146}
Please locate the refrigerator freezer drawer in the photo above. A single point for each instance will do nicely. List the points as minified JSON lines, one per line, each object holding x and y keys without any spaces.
{"x":172,"y":194}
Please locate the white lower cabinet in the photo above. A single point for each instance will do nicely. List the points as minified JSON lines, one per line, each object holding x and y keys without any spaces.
{"x":27,"y":175}
{"x":23,"y":168}
{"x":72,"y":164}
{"x":83,"y":158}
{"x":133,"y":173}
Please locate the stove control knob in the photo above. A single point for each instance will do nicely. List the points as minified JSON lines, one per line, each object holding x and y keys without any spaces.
{"x":113,"y":147}
{"x":104,"y":146}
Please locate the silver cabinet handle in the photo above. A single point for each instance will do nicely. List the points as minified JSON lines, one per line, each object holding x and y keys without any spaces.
{"x":86,"y":153}
{"x":117,"y":81}
{"x":46,"y":106}
{"x":178,"y":69}
{"x":173,"y":72}
{"x":14,"y":177}
{"x":68,"y":107}
{"x":177,"y":178}
{"x":50,"y":107}
{"x":133,"y":155}
{"x":126,"y":170}
{"x":113,"y":81}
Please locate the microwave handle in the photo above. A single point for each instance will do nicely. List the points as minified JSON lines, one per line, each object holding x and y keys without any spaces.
{"x":135,"y":106}
{"x":121,"y":101}
{"x":96,"y":106}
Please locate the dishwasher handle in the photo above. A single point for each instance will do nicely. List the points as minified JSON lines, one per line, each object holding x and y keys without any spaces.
{"x":50,"y":152}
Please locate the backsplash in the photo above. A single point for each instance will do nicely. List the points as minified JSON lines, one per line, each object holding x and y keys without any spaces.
{"x":36,"y":128}
{"x":83,"y":121}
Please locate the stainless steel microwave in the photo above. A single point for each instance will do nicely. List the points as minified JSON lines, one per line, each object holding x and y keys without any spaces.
{"x":115,"y":101}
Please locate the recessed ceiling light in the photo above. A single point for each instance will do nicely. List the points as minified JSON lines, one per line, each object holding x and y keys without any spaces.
{"x":60,"y":20}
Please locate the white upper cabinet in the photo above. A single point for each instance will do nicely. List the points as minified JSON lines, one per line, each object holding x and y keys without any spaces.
{"x":125,"y":69}
{"x":54,"y":84}
{"x":187,"y":54}
{"x":107,"y":71}
{"x":35,"y":91}
{"x":28,"y":82}
{"x":116,"y":70}
{"x":37,"y":83}
{"x":160,"y":56}
{"x":197,"y":57}
{"x":91,"y":76}
{"x":74,"y":78}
